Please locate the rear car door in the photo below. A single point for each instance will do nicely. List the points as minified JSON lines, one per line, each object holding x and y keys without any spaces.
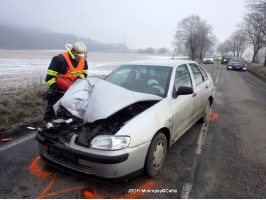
{"x":200,"y":90}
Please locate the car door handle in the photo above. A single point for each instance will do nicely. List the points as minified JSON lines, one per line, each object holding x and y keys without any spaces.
{"x":194,"y":94}
{"x":207,"y":86}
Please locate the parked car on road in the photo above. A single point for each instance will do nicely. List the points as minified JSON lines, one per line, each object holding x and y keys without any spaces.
{"x":207,"y":59}
{"x":237,"y":63}
{"x":120,"y":127}
{"x":225,"y":59}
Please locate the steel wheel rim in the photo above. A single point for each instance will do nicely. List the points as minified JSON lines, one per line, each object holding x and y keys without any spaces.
{"x":158,"y":155}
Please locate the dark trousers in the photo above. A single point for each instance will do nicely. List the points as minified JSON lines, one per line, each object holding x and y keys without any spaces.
{"x":52,"y":99}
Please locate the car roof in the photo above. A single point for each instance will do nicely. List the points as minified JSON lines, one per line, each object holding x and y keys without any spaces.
{"x":160,"y":62}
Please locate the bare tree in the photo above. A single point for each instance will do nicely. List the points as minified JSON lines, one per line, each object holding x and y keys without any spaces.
{"x":194,"y":35}
{"x":255,"y":36}
{"x":207,"y":39}
{"x":224,"y":47}
{"x":238,"y":42}
{"x":255,"y":23}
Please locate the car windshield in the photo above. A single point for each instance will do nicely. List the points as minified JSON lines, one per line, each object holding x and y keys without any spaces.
{"x":208,"y":56}
{"x":144,"y":79}
{"x":238,"y":60}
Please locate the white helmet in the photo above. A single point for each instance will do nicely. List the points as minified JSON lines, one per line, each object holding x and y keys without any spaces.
{"x":79,"y":49}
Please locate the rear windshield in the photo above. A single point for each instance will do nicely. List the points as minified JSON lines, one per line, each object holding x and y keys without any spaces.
{"x":228,"y":56}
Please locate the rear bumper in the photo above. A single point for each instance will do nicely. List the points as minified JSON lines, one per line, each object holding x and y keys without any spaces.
{"x":94,"y":164}
{"x":208,"y":62}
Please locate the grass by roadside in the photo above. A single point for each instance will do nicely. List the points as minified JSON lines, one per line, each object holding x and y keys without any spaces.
{"x":21,"y":106}
{"x":257,"y":70}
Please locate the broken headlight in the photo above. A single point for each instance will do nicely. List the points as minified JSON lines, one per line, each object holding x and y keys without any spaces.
{"x":108,"y":142}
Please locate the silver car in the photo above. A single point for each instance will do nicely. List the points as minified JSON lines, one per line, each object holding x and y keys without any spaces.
{"x":122,"y":126}
{"x":208,"y":59}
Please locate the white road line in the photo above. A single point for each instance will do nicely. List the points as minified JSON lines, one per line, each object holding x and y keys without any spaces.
{"x":218,"y":74}
{"x":17,"y":141}
{"x":200,"y":143}
{"x":186,"y":190}
{"x":201,"y":138}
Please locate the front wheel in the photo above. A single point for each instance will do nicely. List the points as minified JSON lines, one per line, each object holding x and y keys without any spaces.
{"x":156,"y":155}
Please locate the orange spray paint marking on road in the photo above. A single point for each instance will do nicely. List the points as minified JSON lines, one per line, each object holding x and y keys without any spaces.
{"x":6,"y":139}
{"x":46,"y":174}
{"x":48,"y":187}
{"x":91,"y":195}
{"x":43,"y":195}
{"x":213,"y":116}
{"x":37,"y":171}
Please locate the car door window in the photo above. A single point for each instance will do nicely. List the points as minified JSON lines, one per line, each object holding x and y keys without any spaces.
{"x":203,"y":72}
{"x":182,"y":77}
{"x":196,"y":73}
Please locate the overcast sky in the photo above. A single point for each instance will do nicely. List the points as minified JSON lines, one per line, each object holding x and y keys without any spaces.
{"x":138,"y":23}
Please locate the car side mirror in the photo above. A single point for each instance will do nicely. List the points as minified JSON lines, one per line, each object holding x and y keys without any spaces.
{"x":183,"y":90}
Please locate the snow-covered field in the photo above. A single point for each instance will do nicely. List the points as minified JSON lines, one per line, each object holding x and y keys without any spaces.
{"x":20,"y":69}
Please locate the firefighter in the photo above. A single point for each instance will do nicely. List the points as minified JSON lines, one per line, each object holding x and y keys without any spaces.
{"x":64,"y":70}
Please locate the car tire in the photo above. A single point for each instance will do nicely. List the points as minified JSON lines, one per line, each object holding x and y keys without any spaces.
{"x":156,"y":155}
{"x":206,"y":113}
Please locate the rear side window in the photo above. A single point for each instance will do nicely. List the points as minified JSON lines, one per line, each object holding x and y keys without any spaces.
{"x":182,"y":77}
{"x":203,"y":72}
{"x":196,"y":73}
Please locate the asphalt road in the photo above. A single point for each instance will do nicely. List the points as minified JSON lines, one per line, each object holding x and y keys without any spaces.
{"x":225,"y":158}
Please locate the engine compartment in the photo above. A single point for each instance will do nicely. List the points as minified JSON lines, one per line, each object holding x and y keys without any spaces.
{"x":66,"y":124}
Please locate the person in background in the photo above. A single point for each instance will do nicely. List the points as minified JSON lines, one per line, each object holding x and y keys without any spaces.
{"x":63,"y":71}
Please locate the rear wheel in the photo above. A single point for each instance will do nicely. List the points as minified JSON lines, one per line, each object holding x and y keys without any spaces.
{"x":206,"y":113}
{"x":156,"y":155}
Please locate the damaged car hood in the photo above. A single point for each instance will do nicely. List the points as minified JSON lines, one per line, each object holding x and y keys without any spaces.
{"x":92,"y":99}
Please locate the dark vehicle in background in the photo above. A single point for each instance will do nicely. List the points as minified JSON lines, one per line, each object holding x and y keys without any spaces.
{"x":225,"y":59}
{"x":236,"y":63}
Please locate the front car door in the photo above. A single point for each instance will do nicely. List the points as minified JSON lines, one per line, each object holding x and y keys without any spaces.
{"x":182,"y":105}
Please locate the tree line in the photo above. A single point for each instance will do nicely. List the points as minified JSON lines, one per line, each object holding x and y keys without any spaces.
{"x":150,"y":50}
{"x":250,"y":33}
